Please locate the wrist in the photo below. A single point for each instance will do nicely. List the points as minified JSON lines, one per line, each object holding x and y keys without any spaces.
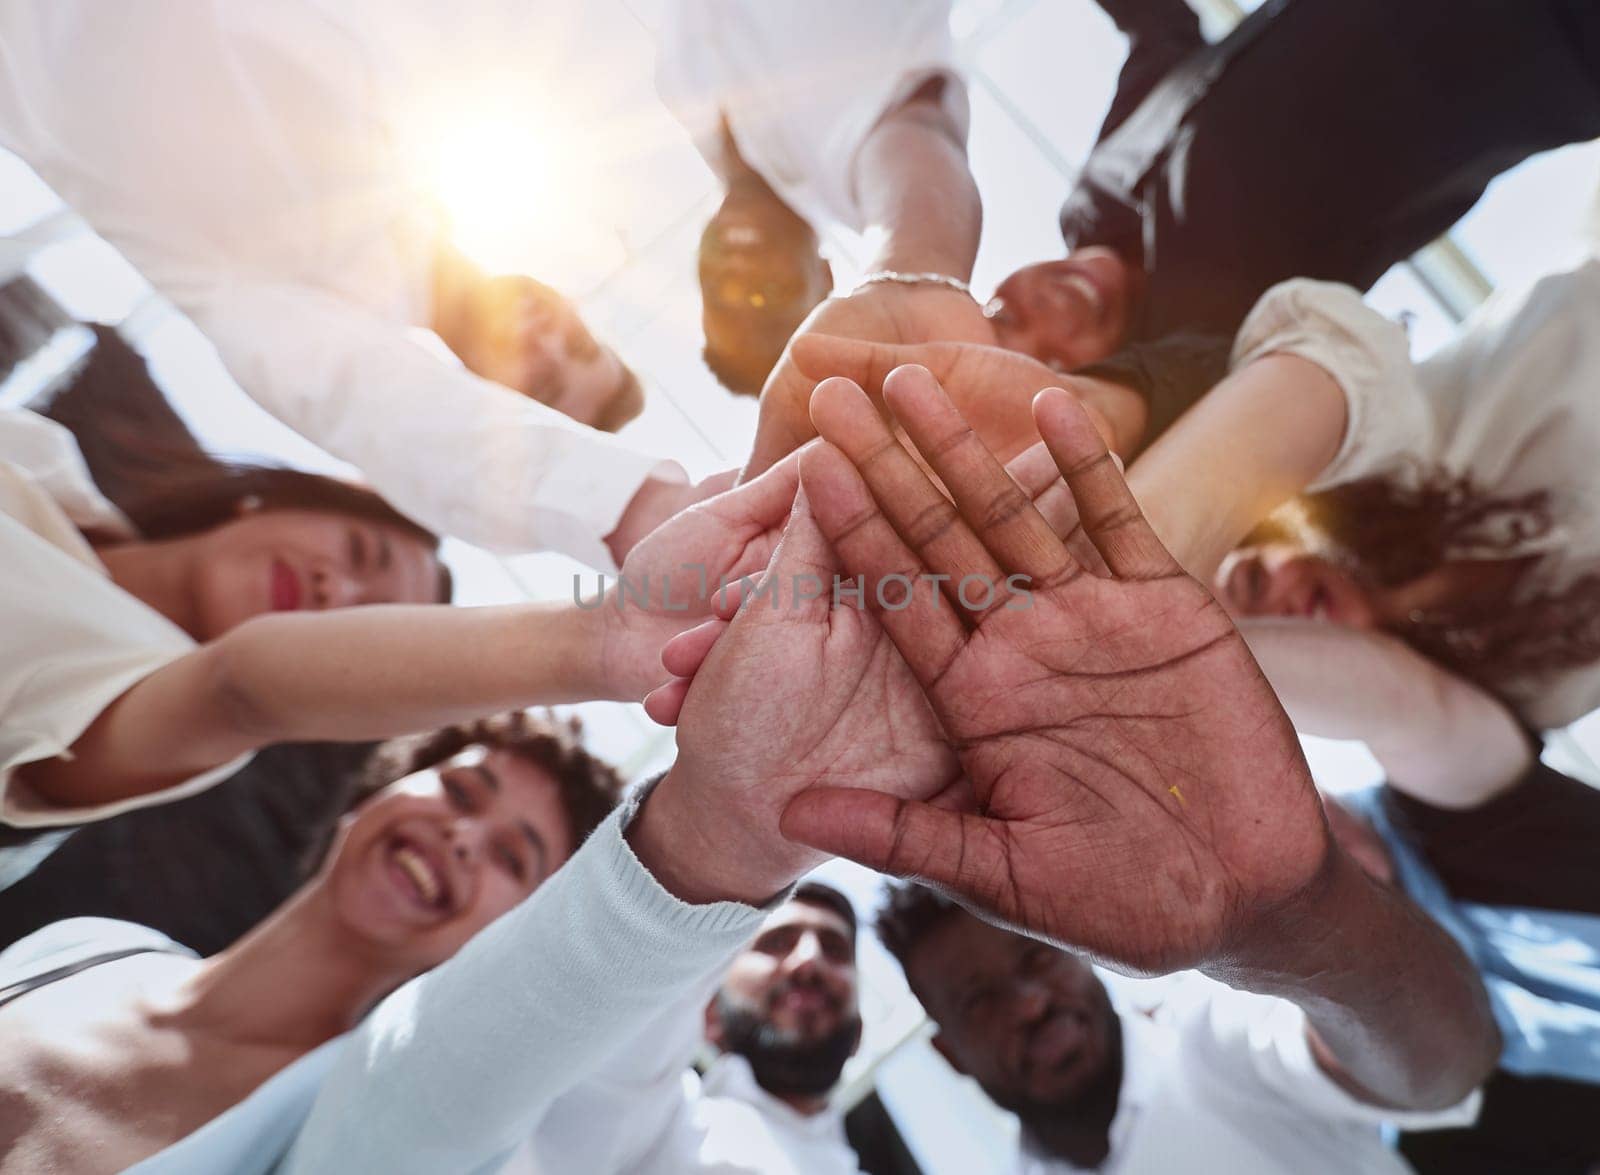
{"x":701,"y":856}
{"x":1309,"y":943}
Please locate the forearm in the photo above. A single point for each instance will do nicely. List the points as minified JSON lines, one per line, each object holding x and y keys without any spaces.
{"x":1437,"y":737}
{"x":1397,"y":1013}
{"x":1259,"y":438}
{"x":350,"y":675}
{"x":372,"y":672}
{"x":916,"y":189}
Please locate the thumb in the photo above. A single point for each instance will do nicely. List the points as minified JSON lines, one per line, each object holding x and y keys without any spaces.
{"x":764,"y":499}
{"x":956,"y":851}
{"x":799,"y":579}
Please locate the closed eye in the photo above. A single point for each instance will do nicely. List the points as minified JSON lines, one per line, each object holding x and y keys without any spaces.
{"x":511,"y":862}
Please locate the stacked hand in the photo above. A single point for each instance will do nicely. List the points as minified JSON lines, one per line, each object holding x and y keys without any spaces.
{"x":672,"y":574}
{"x":886,"y":313}
{"x":1132,"y":786}
{"x":993,"y":389}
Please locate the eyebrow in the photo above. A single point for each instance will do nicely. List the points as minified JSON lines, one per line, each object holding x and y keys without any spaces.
{"x":487,"y":777}
{"x":385,"y":555}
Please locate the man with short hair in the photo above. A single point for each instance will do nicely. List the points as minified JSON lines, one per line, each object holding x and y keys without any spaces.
{"x":1321,"y":138}
{"x":1215,"y":1080}
{"x":785,"y":1020}
{"x":253,"y":162}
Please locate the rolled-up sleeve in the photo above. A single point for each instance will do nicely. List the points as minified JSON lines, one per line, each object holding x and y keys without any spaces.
{"x":459,"y":454}
{"x":1389,"y":427}
{"x":802,"y":85}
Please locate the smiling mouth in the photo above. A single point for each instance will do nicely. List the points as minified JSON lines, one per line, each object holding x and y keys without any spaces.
{"x":423,"y":880}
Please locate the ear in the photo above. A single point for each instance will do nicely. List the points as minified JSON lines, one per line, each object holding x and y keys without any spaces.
{"x":943,"y":1048}
{"x":713,"y":1025}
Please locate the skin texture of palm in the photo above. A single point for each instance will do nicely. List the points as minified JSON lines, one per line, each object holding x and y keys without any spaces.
{"x":1137,"y":791}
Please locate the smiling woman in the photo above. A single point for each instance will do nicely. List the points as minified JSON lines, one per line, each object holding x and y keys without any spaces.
{"x":413,"y":871}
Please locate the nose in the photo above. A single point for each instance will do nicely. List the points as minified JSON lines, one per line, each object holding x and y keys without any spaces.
{"x":1029,"y":1001}
{"x":336,"y":588}
{"x":806,"y":956}
{"x":464,"y":841}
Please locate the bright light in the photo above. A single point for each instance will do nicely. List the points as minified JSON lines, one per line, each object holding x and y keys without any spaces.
{"x":523,"y":198}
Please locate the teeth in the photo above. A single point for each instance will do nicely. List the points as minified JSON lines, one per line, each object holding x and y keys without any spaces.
{"x":421,"y":875}
{"x":1087,"y":288}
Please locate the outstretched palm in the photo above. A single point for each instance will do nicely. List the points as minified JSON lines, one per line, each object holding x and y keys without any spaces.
{"x":1137,"y":790}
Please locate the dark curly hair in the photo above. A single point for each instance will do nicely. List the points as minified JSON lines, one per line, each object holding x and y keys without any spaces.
{"x":908,"y":914}
{"x":590,"y":787}
{"x":1386,"y":532}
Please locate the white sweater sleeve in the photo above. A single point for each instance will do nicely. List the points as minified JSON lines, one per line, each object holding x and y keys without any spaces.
{"x":458,"y":453}
{"x":452,"y":1071}
{"x":1389,"y":423}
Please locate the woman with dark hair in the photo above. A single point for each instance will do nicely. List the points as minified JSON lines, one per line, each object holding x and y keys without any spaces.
{"x":147,"y":651}
{"x":117,"y":1043}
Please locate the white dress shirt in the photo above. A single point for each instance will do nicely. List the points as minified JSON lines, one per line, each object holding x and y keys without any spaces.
{"x":246,"y":158}
{"x":1510,"y":402}
{"x":1224,"y":1081}
{"x":71,"y":641}
{"x":802,"y":83}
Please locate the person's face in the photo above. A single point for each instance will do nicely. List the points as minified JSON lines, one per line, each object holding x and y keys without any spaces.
{"x":305,"y":560}
{"x":798,"y":977}
{"x":1278,"y":579}
{"x":528,"y":337}
{"x":1030,"y":1023}
{"x":1066,"y":313}
{"x":760,"y":274}
{"x":431,"y":860}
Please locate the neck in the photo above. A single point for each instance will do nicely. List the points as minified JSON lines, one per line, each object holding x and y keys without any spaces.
{"x":1080,"y":1131}
{"x":297,"y":980}
{"x":157,"y":573}
{"x":807,"y":1104}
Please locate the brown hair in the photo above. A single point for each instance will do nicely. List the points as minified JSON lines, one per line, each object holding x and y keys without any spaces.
{"x":1385,"y":533}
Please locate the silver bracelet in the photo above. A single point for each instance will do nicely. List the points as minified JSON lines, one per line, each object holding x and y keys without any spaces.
{"x":879,"y":277}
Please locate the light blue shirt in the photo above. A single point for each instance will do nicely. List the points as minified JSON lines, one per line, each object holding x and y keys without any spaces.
{"x":1541,"y":967}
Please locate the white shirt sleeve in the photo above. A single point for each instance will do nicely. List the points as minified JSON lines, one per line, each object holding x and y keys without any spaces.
{"x":1389,"y":425}
{"x":1257,"y":1048}
{"x":459,"y":454}
{"x":72,"y":643}
{"x":452,"y":1071}
{"x":802,"y":84}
